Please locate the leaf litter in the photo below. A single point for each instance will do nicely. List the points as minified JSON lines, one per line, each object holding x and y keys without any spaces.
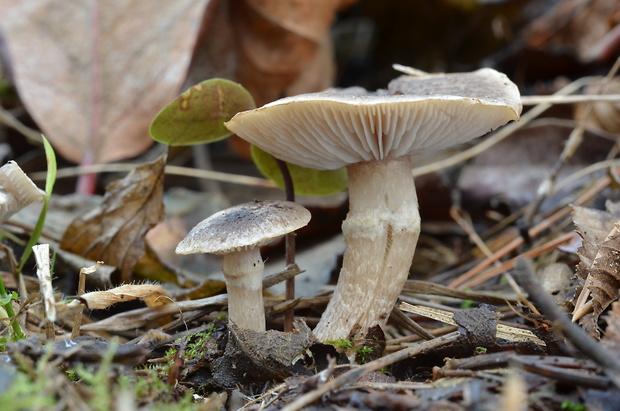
{"x":510,"y":354}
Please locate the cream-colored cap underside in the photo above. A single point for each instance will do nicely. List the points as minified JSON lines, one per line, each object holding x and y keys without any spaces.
{"x":330,"y":130}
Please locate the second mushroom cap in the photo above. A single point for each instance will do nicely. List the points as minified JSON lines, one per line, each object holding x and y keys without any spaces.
{"x":246,"y":225}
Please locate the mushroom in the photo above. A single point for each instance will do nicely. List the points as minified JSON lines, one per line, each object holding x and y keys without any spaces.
{"x":375,"y":135}
{"x":237,"y":233}
{"x":16,"y":190}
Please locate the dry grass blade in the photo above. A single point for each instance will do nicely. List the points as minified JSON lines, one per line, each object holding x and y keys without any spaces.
{"x":428,"y":288}
{"x":462,"y":280}
{"x":171,"y":170}
{"x":505,"y":332}
{"x":42,"y":255}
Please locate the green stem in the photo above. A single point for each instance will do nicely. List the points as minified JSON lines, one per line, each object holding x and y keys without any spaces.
{"x":17,"y":331}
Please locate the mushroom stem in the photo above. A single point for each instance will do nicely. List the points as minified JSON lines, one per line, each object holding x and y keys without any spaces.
{"x":243,"y":271}
{"x":381,"y":232}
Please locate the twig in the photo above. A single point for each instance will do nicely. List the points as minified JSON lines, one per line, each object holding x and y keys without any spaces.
{"x":356,"y":373}
{"x":457,"y":214}
{"x":533,"y":232}
{"x":507,"y":265}
{"x":173,"y":170}
{"x":276,"y":278}
{"x":574,"y":333}
{"x":591,"y":98}
{"x":32,"y":135}
{"x":289,"y":243}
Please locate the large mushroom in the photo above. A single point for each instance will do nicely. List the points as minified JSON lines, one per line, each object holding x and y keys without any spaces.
{"x":237,"y":233}
{"x":374,"y":135}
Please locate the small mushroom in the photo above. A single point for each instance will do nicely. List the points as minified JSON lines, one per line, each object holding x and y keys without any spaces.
{"x":374,"y":135}
{"x":237,"y":233}
{"x":16,"y":190}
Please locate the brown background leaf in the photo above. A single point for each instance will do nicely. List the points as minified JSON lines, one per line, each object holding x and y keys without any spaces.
{"x":114,"y":232}
{"x":600,"y":260}
{"x":98,"y":86}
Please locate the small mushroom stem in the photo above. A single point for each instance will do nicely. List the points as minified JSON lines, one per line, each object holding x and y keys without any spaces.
{"x":243,"y":271}
{"x":381,"y":232}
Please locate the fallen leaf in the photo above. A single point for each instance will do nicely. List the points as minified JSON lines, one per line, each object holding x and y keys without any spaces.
{"x":198,"y":115}
{"x":611,"y":340}
{"x":604,"y":115}
{"x":273,"y":48}
{"x":306,"y":181}
{"x":600,"y":261}
{"x":94,"y":74}
{"x":593,"y":226}
{"x":114,"y":232}
{"x":152,"y":295}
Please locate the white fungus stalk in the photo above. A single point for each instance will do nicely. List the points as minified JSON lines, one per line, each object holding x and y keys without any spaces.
{"x":237,"y":234}
{"x":243,"y":271}
{"x":381,"y":231}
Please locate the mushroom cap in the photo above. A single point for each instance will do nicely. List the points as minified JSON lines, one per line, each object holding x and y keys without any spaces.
{"x":244,"y":226}
{"x":332,"y":129}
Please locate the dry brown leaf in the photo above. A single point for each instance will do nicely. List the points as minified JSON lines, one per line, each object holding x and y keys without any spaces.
{"x":604,"y":115}
{"x":114,"y":232}
{"x":579,"y":25}
{"x":611,"y":340}
{"x":600,"y":260}
{"x":94,"y":74}
{"x":272,"y":47}
{"x":152,"y":295}
{"x":593,"y":226}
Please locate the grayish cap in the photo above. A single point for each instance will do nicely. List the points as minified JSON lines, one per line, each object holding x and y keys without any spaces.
{"x":16,"y":190}
{"x":417,"y":114}
{"x":244,"y":226}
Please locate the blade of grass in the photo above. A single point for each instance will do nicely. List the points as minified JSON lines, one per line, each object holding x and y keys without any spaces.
{"x":49,"y":186}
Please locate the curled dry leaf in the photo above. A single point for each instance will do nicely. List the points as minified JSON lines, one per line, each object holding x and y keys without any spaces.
{"x":152,"y":295}
{"x":16,"y":190}
{"x":114,"y":232}
{"x":600,"y":261}
{"x":94,"y":74}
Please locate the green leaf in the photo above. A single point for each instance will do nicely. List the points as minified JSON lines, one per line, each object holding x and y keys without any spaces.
{"x":8,"y":297}
{"x":306,"y":181}
{"x":198,"y":115}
